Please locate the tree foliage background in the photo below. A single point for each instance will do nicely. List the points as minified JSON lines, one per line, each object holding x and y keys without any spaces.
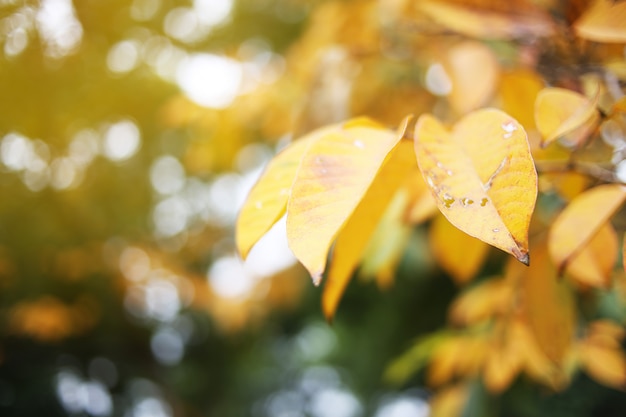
{"x":132,"y":131}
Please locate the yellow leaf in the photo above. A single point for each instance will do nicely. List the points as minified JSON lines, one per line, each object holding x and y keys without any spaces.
{"x":605,"y":365}
{"x":549,"y":306}
{"x":268,"y":198}
{"x":422,"y":205}
{"x":333,"y":177}
{"x":474,"y":71}
{"x":358,"y":230}
{"x":593,"y":264}
{"x":449,"y":402}
{"x":581,"y":220}
{"x":482,"y":176}
{"x":559,"y":111}
{"x":481,"y":302}
{"x":501,"y":367}
{"x":388,"y":243}
{"x":603,"y":22}
{"x":459,"y":254}
{"x":605,"y":333}
{"x":485,"y":24}
{"x":518,"y":90}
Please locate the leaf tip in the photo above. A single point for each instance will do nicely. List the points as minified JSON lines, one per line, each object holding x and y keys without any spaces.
{"x":317,"y":279}
{"x":521,"y":255}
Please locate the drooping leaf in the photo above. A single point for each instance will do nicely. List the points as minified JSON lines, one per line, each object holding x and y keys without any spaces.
{"x":456,"y":252}
{"x":581,"y":220}
{"x":603,"y":22}
{"x":559,"y":111}
{"x":501,"y":366}
{"x":332,"y":179}
{"x":357,"y":232}
{"x":388,"y":243}
{"x":267,"y":200}
{"x":593,"y":264}
{"x":548,"y":305}
{"x":482,"y":176}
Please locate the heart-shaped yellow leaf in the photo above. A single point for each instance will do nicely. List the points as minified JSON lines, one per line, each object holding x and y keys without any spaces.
{"x":354,"y":237}
{"x":482,"y":176}
{"x":333,"y":177}
{"x":604,"y":21}
{"x":268,"y":198}
{"x":559,"y":111}
{"x":580,"y":221}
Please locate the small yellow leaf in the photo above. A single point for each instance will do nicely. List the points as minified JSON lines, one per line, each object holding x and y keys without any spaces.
{"x":518,"y":91}
{"x":268,"y":198}
{"x":581,"y":220}
{"x":482,"y":176}
{"x":603,"y":22}
{"x":333,"y":177}
{"x":357,"y":232}
{"x":481,"y":302}
{"x":474,"y":70}
{"x":605,"y":365}
{"x":559,"y":111}
{"x":457,"y":253}
{"x":593,"y":264}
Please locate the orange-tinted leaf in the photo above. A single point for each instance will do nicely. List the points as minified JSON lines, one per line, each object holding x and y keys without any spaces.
{"x":267,"y":200}
{"x":474,"y":71}
{"x":581,"y":220}
{"x":605,"y":333}
{"x":593,"y":264}
{"x":332,"y":179}
{"x":603,"y":22}
{"x":482,"y":176}
{"x":549,"y":306}
{"x":458,"y":356}
{"x":481,"y":302}
{"x":457,"y":253}
{"x":518,"y":90}
{"x":357,"y":232}
{"x":484,"y":24}
{"x":605,"y":365}
{"x":559,"y":111}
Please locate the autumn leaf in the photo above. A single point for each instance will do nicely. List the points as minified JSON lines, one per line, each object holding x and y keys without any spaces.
{"x":518,"y":91}
{"x":333,"y":177}
{"x":603,"y":22}
{"x":581,"y":220}
{"x":267,"y":200}
{"x":482,"y":176}
{"x":355,"y":236}
{"x":605,"y":365}
{"x":456,"y":252}
{"x":559,"y":111}
{"x":593,"y":264}
{"x":481,"y":302}
{"x":473,"y":70}
{"x":548,"y":305}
